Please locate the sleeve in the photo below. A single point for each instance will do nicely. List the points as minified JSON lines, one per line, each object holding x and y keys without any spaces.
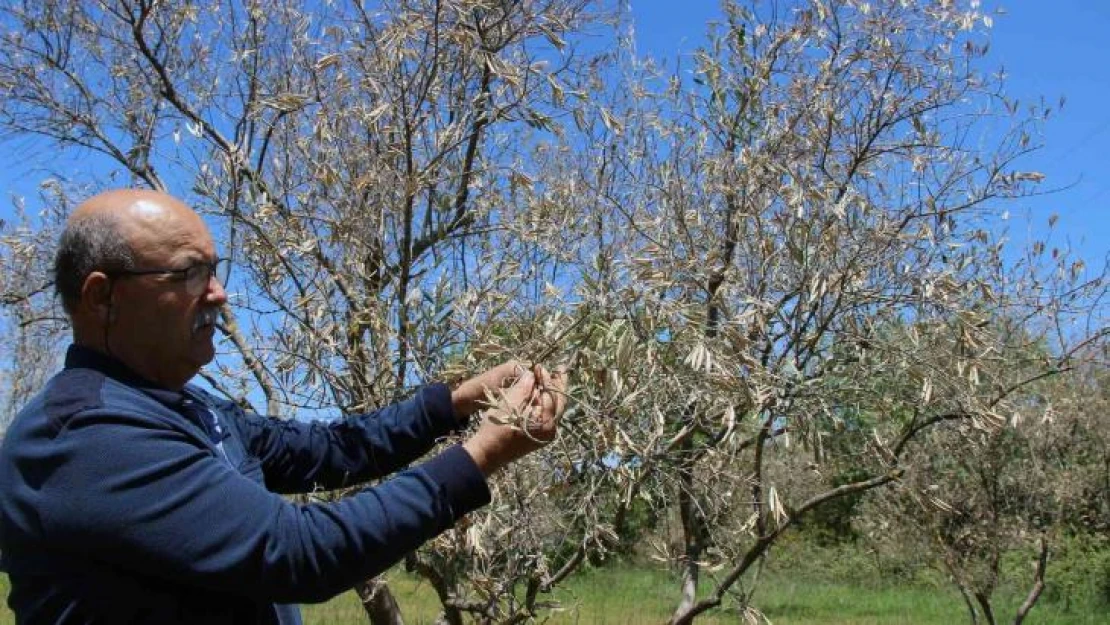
{"x":147,"y":497}
{"x":299,"y":457}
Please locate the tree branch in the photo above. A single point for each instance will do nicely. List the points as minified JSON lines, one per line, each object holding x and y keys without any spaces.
{"x":1038,"y":584}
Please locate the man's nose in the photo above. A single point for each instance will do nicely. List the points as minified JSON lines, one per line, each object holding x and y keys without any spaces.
{"x":215,"y":293}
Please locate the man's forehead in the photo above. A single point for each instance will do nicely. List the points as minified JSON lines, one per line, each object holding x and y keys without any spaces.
{"x":158,"y":232}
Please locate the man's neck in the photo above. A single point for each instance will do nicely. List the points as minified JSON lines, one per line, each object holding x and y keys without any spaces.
{"x":134,"y":368}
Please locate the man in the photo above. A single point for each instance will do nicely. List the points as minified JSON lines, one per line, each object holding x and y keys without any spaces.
{"x":129,"y":496}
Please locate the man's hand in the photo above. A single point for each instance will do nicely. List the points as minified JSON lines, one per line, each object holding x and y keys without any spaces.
{"x":526,"y":419}
{"x":472,"y":395}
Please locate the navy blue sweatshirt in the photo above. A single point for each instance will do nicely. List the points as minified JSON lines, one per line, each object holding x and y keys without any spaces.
{"x":121,"y":502}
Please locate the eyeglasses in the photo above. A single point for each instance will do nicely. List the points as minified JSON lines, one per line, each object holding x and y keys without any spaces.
{"x":194,"y":276}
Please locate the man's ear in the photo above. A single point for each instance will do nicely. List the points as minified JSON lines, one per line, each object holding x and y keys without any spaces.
{"x":96,"y":296}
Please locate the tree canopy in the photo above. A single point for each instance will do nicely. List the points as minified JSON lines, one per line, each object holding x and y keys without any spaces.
{"x":785,"y":246}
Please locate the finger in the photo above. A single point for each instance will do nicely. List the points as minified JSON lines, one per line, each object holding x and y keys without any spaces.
{"x":551,"y":404}
{"x":543,"y":375}
{"x":540,"y":373}
{"x":509,"y":372}
{"x":520,"y":393}
{"x":560,"y":402}
{"x":538,"y":412}
{"x":542,"y":422}
{"x":525,"y":377}
{"x":503,"y":375}
{"x":558,"y":387}
{"x":558,"y":379}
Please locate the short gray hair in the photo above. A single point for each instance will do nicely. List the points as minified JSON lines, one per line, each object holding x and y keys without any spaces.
{"x":88,"y":244}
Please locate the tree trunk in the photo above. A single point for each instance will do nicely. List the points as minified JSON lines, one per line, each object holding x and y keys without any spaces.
{"x":1038,"y":585}
{"x":451,"y":614}
{"x":381,"y":608}
{"x":693,"y":534}
{"x":985,"y":605}
{"x":973,"y":615}
{"x":958,"y":581}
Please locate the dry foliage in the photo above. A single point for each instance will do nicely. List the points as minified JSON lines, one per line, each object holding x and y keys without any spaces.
{"x":791,"y":241}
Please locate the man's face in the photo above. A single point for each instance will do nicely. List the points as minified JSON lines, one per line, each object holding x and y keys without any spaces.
{"x":158,"y":326}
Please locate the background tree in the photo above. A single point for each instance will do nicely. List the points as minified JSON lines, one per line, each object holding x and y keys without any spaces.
{"x":809,"y":213}
{"x":1035,"y":486}
{"x":32,"y":327}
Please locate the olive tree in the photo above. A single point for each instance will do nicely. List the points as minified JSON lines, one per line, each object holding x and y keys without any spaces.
{"x":358,"y":162}
{"x":1027,"y":486}
{"x":725,"y":254}
{"x":32,"y":326}
{"x":789,"y":228}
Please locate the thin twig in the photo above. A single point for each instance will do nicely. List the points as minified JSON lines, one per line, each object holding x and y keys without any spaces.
{"x":553,"y":345}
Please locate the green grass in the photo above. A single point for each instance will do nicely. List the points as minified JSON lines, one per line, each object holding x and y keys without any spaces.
{"x":6,"y":616}
{"x":625,"y":595}
{"x":800,"y":603}
{"x":614,"y":596}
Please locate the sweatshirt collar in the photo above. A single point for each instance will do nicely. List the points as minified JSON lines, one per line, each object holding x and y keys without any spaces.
{"x":81,"y":357}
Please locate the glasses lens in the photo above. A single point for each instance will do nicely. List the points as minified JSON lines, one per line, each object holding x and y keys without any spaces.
{"x":198,"y":276}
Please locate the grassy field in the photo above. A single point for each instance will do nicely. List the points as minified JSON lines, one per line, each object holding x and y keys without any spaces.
{"x":624,"y":595}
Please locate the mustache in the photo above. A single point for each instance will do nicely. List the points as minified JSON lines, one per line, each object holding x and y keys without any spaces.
{"x":206,"y":317}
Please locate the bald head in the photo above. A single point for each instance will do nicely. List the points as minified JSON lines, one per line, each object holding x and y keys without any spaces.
{"x":108,"y":231}
{"x":136,"y":270}
{"x":138,"y":203}
{"x":139,"y":213}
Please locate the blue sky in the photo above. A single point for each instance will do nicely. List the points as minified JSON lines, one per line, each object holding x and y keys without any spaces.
{"x":1054,"y":50}
{"x":1050,"y":49}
